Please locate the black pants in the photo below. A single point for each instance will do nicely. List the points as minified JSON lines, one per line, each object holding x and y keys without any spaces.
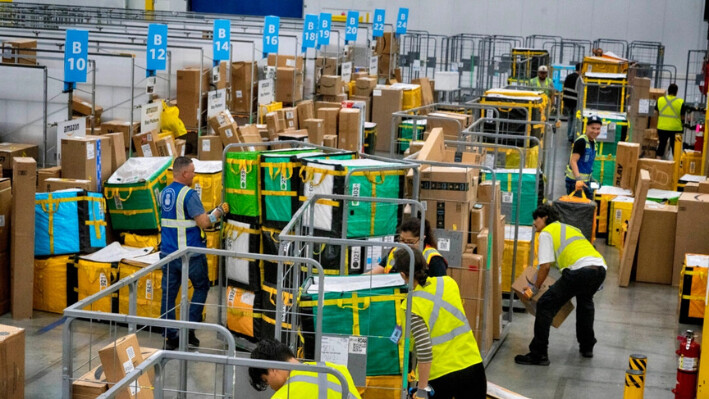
{"x":468,"y":383}
{"x":582,"y":284}
{"x":664,"y":137}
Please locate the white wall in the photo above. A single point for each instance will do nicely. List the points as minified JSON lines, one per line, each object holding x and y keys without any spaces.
{"x":677,"y":24}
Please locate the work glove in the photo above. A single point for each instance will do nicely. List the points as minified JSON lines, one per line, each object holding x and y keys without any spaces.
{"x":580,"y":185}
{"x":415,"y":393}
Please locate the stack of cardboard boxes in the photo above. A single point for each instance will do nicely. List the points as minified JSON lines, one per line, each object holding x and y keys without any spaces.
{"x":193,"y":84}
{"x":19,"y":51}
{"x":244,"y":88}
{"x":289,"y":77}
{"x":387,"y":49}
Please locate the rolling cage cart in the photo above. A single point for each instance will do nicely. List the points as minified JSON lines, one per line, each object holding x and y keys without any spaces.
{"x":650,"y":54}
{"x":83,"y":315}
{"x":420,"y":54}
{"x":615,"y":46}
{"x":695,"y":77}
{"x":525,"y":62}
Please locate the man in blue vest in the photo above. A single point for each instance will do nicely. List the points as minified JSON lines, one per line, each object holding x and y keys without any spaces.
{"x":671,"y":110}
{"x":580,"y":167}
{"x":182,"y":220}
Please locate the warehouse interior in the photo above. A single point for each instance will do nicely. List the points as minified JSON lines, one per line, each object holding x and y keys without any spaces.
{"x":326,"y":139}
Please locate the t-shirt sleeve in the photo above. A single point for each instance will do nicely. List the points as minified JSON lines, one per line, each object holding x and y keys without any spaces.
{"x":579,"y":147}
{"x":193,"y":205}
{"x":546,"y":248}
{"x":437,"y":267}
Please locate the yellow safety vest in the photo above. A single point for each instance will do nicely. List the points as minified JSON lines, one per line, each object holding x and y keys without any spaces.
{"x":180,"y":223}
{"x":440,"y":306}
{"x":309,"y":385}
{"x":670,"y":117}
{"x":585,"y":162}
{"x":570,"y":245}
{"x":428,"y":253}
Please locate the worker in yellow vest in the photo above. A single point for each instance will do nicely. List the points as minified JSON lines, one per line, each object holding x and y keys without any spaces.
{"x":583,"y":270}
{"x":449,"y":362}
{"x":671,"y":110}
{"x":542,"y":81}
{"x":409,"y":232}
{"x":295,"y":384}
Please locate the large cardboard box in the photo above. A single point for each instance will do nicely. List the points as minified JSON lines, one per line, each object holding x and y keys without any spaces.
{"x":24,"y":49}
{"x":485,"y":198}
{"x":350,"y":129}
{"x":166,"y":147}
{"x":326,"y":65}
{"x":387,"y":44}
{"x":526,"y":282}
{"x":120,"y":357}
{"x":365,"y":86}
{"x":661,"y":173}
{"x":626,"y":163}
{"x":4,"y":281}
{"x":90,"y":385}
{"x":24,"y":181}
{"x":191,"y":99}
{"x":145,"y":144}
{"x":118,"y":157}
{"x":305,"y":110}
{"x":316,"y":130}
{"x":367,"y":100}
{"x":427,"y":97}
{"x":331,"y":117}
{"x":83,"y":160}
{"x":210,"y":148}
{"x":251,"y":134}
{"x":655,"y":251}
{"x":703,"y":187}
{"x":104,"y":155}
{"x":286,"y":61}
{"x":449,"y":215}
{"x":273,"y":125}
{"x":448,"y":183}
{"x":55,"y":184}
{"x":289,"y":85}
{"x":12,"y":362}
{"x":243,"y":82}
{"x":330,"y":140}
{"x":452,"y":123}
{"x":692,"y":218}
{"x":290,"y":116}
{"x":330,"y":85}
{"x":8,"y":151}
{"x":5,"y":213}
{"x":84,"y":107}
{"x":385,"y":101}
{"x":119,"y":126}
{"x":44,"y":174}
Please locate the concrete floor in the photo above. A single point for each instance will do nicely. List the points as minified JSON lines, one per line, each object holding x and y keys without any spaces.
{"x":638,"y":319}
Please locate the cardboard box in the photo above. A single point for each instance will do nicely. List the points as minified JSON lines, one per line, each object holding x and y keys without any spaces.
{"x":25,"y":49}
{"x":449,"y":215}
{"x":24,"y":181}
{"x":119,"y":126}
{"x":692,"y":217}
{"x":288,"y":61}
{"x":84,"y":107}
{"x":12,"y":362}
{"x":703,"y":187}
{"x":427,"y":97}
{"x":8,"y":151}
{"x":451,"y":123}
{"x":289,"y":85}
{"x":526,"y":281}
{"x":385,"y":101}
{"x":251,"y":134}
{"x":120,"y":357}
{"x":330,"y":140}
{"x":661,"y":173}
{"x":5,"y":214}
{"x":273,"y":125}
{"x":627,"y":157}
{"x":145,"y":144}
{"x":166,"y":147}
{"x":326,"y":65}
{"x":297,"y":135}
{"x":191,"y":97}
{"x":181,"y":146}
{"x":44,"y":174}
{"x":229,"y":134}
{"x":330,"y":85}
{"x":331,"y":117}
{"x":316,"y":130}
{"x":477,"y":217}
{"x":387,"y":44}
{"x":485,"y":197}
{"x":90,"y":385}
{"x":85,"y":160}
{"x":335,"y":99}
{"x":325,"y":104}
{"x":5,"y":280}
{"x":290,"y":115}
{"x":56,"y":184}
{"x":220,"y":120}
{"x":365,"y":86}
{"x":104,"y":155}
{"x":118,"y":157}
{"x":350,"y":129}
{"x":210,"y":148}
{"x":305,"y":110}
{"x":448,"y":183}
{"x":655,"y":252}
{"x":367,"y":106}
{"x":243,"y":86}
{"x":691,"y":187}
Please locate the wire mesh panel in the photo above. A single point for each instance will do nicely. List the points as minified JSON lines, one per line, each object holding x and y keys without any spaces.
{"x":536,"y":41}
{"x":464,"y":58}
{"x":572,"y":51}
{"x":615,"y":46}
{"x":694,"y":77}
{"x":651,"y":54}
{"x":419,"y":55}
{"x":496,"y":60}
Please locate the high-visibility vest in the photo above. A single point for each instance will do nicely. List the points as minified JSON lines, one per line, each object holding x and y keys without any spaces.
{"x":570,"y":245}
{"x":428,"y":253}
{"x":670,"y":117}
{"x":178,"y":231}
{"x":453,"y":344}
{"x":585,"y":163}
{"x":309,"y":385}
{"x":547,"y":85}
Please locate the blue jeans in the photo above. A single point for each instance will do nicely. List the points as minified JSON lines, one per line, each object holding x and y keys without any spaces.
{"x":171,"y":279}
{"x":571,"y":186}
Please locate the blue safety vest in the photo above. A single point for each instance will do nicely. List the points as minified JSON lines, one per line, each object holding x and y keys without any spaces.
{"x":585,"y":163}
{"x":178,"y":229}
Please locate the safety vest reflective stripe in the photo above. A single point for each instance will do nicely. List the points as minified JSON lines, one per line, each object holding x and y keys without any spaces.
{"x":583,"y":176}
{"x":180,"y":224}
{"x":439,"y":303}
{"x":669,"y":105}
{"x":428,"y":254}
{"x":564,"y":241}
{"x":321,"y":381}
{"x":670,"y":117}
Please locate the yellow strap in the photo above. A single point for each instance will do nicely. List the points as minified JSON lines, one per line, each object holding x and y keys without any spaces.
{"x":240,"y":191}
{"x":244,"y":313}
{"x":272,"y":321}
{"x":279,"y":193}
{"x":97,"y":226}
{"x":373,"y":210}
{"x":228,"y":228}
{"x":693,"y":297}
{"x":321,"y":201}
{"x":397,"y":296}
{"x":131,"y":212}
{"x":116,"y":191}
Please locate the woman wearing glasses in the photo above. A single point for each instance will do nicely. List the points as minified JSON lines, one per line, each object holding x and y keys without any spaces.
{"x":409,"y":234}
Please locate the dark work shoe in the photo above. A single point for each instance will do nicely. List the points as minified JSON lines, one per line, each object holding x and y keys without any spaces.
{"x":588,"y":354}
{"x":171,"y":344}
{"x":532,"y":359}
{"x":193,"y":340}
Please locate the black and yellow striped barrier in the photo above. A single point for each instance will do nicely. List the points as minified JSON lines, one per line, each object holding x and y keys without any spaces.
{"x":634,"y":384}
{"x":637,"y":362}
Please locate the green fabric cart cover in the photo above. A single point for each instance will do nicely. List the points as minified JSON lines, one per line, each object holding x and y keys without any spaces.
{"x":604,"y":170}
{"x":351,"y":307}
{"x":133,"y":193}
{"x":508,"y":185}
{"x":241,"y":179}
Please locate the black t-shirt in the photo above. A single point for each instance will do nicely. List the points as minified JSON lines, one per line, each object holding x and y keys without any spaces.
{"x":570,"y":83}
{"x":580,"y":147}
{"x":437,"y":267}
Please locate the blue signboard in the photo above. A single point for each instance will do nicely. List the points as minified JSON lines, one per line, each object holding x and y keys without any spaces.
{"x":378,"y":28}
{"x":270,"y":34}
{"x":157,"y":47}
{"x":221,"y":39}
{"x":402,"y":21}
{"x":324,"y":30}
{"x":76,"y":55}
{"x":310,"y":31}
{"x":352,"y":25}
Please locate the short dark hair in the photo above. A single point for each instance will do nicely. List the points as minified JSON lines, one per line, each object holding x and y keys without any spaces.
{"x":402,"y":260}
{"x":180,"y":163}
{"x":672,"y":90}
{"x":413,"y":226}
{"x":267,"y":349}
{"x":546,"y":210}
{"x":578,"y":66}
